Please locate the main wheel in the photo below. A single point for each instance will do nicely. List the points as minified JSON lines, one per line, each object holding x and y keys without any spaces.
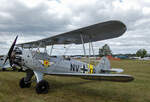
{"x":24,"y":84}
{"x":42,"y":87}
{"x":3,"y":69}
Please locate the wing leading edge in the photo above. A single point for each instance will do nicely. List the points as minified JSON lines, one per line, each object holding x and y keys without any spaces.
{"x":93,"y":33}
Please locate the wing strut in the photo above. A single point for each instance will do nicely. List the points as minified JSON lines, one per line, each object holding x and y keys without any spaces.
{"x":89,"y":51}
{"x":38,"y":48}
{"x":45,"y":49}
{"x":92,"y":49}
{"x":93,"y":52}
{"x":51,"y":50}
{"x":83,"y":44}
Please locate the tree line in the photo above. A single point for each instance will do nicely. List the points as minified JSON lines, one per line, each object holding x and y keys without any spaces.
{"x":106,"y":51}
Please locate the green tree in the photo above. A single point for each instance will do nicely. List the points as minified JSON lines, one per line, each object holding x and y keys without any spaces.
{"x":141,"y":53}
{"x":104,"y":51}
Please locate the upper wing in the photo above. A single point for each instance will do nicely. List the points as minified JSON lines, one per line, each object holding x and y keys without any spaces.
{"x":96,"y":32}
{"x":106,"y":77}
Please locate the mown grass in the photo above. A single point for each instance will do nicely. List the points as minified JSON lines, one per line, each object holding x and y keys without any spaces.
{"x":70,"y":89}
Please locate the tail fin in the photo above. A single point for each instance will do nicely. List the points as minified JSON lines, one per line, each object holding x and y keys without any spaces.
{"x":104,"y":66}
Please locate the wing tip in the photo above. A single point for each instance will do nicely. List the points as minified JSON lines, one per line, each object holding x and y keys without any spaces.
{"x":122,"y":26}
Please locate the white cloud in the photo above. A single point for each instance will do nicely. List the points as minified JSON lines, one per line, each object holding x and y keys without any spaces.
{"x":36,"y":19}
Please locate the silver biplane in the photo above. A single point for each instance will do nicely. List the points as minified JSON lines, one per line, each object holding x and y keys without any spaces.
{"x":41,"y":63}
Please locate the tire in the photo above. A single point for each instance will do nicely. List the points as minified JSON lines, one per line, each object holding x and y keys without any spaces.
{"x":42,"y":87}
{"x":3,"y":69}
{"x":22,"y":84}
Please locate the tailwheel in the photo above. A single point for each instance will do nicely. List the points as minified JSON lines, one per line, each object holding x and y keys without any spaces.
{"x":42,"y":87}
{"x":24,"y":84}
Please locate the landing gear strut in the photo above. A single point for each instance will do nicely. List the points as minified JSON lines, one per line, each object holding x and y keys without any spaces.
{"x":24,"y":84}
{"x":42,"y":87}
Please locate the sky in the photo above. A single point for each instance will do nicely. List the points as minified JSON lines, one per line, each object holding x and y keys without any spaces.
{"x":36,"y":19}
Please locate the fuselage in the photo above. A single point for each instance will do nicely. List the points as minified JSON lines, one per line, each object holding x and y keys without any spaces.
{"x":44,"y":63}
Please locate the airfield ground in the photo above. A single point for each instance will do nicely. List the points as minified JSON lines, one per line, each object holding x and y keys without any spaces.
{"x":70,"y":89}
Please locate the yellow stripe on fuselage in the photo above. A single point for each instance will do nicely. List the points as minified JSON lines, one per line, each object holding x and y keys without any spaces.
{"x":90,"y":66}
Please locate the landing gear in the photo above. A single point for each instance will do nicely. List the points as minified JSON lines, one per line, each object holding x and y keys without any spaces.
{"x":26,"y":81}
{"x":42,"y":87}
{"x":3,"y":69}
{"x":24,"y":84}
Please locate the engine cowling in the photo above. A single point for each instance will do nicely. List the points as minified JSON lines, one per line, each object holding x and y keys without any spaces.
{"x":16,"y":58}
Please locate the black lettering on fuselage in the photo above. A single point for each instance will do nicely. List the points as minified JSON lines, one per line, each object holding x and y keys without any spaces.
{"x":84,"y":69}
{"x":74,"y":67}
{"x":77,"y":68}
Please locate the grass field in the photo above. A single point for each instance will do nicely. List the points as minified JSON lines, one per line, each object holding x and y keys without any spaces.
{"x":70,"y":89}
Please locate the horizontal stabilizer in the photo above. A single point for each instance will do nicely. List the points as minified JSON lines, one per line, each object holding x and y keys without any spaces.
{"x":100,"y":77}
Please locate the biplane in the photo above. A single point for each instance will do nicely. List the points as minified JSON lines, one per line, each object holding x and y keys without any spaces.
{"x":39,"y":63}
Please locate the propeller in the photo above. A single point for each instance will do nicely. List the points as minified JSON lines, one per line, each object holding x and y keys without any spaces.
{"x":10,"y":52}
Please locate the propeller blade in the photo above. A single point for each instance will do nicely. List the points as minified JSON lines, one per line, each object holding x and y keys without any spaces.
{"x":10,"y":52}
{"x":5,"y":60}
{"x":12,"y":47}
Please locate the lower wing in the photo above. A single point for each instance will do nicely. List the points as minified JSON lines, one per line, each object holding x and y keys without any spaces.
{"x":5,"y":66}
{"x":105,"y":77}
